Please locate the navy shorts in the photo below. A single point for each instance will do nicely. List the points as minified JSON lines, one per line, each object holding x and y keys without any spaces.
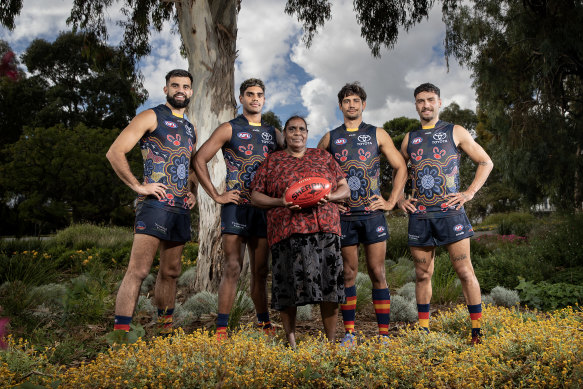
{"x":243,"y":220}
{"x":365,"y":231}
{"x":162,"y":222}
{"x":425,"y":230}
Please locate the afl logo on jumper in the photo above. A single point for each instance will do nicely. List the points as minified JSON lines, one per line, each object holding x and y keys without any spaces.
{"x":364,"y":138}
{"x":458,"y":228}
{"x":170,"y":124}
{"x":340,"y":141}
{"x":380,"y":229}
{"x":417,"y":140}
{"x":244,"y":135}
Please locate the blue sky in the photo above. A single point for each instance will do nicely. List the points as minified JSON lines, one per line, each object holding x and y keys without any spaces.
{"x":298,"y":80}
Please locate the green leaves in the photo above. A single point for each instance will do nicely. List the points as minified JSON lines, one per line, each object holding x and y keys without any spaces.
{"x":119,"y":337}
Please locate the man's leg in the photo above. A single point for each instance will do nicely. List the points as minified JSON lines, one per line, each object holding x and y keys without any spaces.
{"x":459,"y":254}
{"x":234,"y":249}
{"x":165,"y":290}
{"x":143,"y":251}
{"x":350,"y":262}
{"x":423,"y":257}
{"x":258,"y":254}
{"x":381,"y":297}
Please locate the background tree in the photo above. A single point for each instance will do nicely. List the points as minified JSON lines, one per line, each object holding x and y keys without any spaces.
{"x":53,"y":167}
{"x":272,"y":119}
{"x":60,"y":175}
{"x":209,"y":29}
{"x":84,"y":81}
{"x":528,"y":73}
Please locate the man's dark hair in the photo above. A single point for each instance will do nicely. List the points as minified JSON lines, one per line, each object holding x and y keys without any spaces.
{"x":351,"y":89}
{"x":427,"y":87}
{"x":178,"y":73}
{"x":249,"y":83}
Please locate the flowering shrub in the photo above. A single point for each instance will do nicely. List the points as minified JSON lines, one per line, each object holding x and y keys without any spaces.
{"x":519,"y":349}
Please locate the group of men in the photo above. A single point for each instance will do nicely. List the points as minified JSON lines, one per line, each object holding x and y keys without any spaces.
{"x":173,"y":168}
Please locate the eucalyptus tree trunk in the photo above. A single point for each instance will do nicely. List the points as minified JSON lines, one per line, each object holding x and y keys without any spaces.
{"x":209,"y":32}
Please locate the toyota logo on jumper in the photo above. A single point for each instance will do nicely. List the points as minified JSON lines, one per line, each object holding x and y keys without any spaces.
{"x":364,"y":138}
{"x":439,"y":136}
{"x":266,"y":136}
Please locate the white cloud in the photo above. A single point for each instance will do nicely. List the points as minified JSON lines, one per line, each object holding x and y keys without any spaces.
{"x":263,"y":44}
{"x":339,"y":55}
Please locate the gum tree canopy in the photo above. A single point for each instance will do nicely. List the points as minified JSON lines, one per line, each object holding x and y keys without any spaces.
{"x":209,"y":30}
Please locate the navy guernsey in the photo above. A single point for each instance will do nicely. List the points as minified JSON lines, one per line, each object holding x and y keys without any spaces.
{"x":250,"y":143}
{"x":434,"y":160}
{"x":166,"y":152}
{"x":358,"y":154}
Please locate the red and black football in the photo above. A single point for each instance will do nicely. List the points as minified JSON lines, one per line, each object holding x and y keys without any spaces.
{"x":308,"y":191}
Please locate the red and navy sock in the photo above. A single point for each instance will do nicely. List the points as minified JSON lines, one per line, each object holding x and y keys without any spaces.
{"x":222,"y":323}
{"x":476,"y":317}
{"x":349,"y":309}
{"x":165,"y":321}
{"x":122,"y":323}
{"x":381,"y":299}
{"x":263,"y":321}
{"x":423,"y":314}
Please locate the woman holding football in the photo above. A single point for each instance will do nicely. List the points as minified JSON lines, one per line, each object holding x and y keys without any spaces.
{"x":305,"y":242}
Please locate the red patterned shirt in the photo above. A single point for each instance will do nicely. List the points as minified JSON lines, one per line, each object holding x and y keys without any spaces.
{"x":278,"y":172}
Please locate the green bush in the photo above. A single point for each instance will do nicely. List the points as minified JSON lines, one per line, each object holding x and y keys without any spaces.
{"x":84,"y":236}
{"x":87,"y":298}
{"x":407,"y":291}
{"x":363,"y":291}
{"x":513,"y":223}
{"x":397,"y":243}
{"x":400,"y":273}
{"x":505,"y":297}
{"x":446,"y":285}
{"x":505,"y":266}
{"x":558,"y":241}
{"x":548,"y":297}
{"x":403,"y":309}
{"x":29,"y":267}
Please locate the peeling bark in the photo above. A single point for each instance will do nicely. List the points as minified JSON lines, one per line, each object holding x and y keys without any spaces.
{"x":209,"y":31}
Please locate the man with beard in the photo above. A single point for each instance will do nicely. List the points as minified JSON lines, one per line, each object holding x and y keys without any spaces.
{"x":167,"y":140}
{"x":245,"y":142}
{"x":357,"y":147}
{"x":436,"y":213}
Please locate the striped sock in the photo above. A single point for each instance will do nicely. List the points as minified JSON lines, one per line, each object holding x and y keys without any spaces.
{"x":263,"y":321}
{"x":164,"y":323}
{"x":349,"y":309}
{"x":423,"y":314}
{"x":122,"y":323}
{"x":381,"y":299}
{"x":476,"y":316}
{"x":222,"y":323}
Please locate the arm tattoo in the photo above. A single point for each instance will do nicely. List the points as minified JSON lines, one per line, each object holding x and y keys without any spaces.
{"x":483,"y":163}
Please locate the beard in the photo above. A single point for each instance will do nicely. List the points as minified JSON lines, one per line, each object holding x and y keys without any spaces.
{"x":176,"y":103}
